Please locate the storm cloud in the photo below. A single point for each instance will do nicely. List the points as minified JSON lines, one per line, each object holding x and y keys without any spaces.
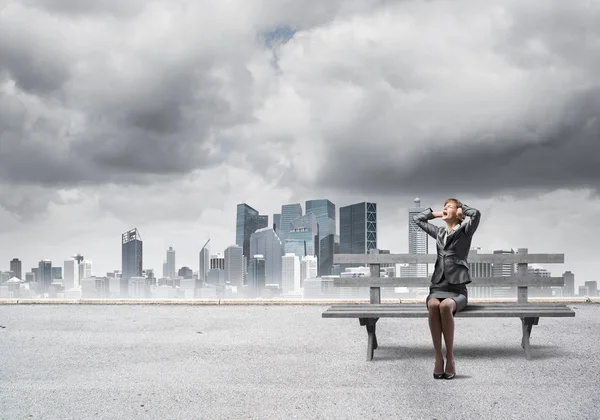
{"x":151,"y":114}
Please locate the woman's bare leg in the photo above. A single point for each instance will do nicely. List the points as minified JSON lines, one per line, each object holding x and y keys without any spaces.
{"x":435,"y":326}
{"x":447,"y":308}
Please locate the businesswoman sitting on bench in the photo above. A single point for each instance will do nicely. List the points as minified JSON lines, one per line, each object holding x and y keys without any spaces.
{"x":448,"y":290}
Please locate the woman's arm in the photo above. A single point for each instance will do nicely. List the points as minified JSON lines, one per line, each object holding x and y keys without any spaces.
{"x":422,"y":220}
{"x":474,"y":218}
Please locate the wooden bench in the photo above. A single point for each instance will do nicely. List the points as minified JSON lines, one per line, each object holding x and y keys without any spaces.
{"x":369,"y":314}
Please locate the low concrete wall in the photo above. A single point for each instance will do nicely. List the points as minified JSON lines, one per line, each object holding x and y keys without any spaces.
{"x":234,"y":302}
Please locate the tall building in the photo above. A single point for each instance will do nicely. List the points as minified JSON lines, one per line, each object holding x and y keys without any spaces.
{"x":358,"y":228}
{"x":324,"y":212}
{"x":480,"y":269}
{"x":217,"y":261}
{"x":327,"y":247}
{"x":131,"y":259}
{"x":265,"y":242}
{"x":44,"y":276}
{"x":303,"y":237}
{"x":289,"y":213}
{"x":308,"y":269}
{"x":86,"y":268}
{"x":290,"y":273}
{"x":71,"y":274}
{"x":204,"y":263}
{"x":503,"y":270}
{"x":276,"y":223}
{"x":57,"y":273}
{"x":592,"y":287}
{"x":185,"y":273}
{"x":247,"y":222}
{"x":171,"y":270}
{"x":418,"y":242}
{"x":234,"y":265}
{"x":569,"y":288}
{"x":257,"y":275}
{"x":15,"y":267}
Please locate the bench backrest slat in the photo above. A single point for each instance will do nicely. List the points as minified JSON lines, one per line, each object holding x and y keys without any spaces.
{"x":474,"y":257}
{"x":425,"y":281}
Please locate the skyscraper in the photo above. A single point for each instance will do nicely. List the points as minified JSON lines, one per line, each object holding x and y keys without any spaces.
{"x":418,"y":242}
{"x":266,"y":243}
{"x":257,"y":275}
{"x":303,"y":237}
{"x":247,"y":222}
{"x":324,"y":212}
{"x":70,"y":274}
{"x":15,"y":267}
{"x":276,"y":223}
{"x":171,"y":270}
{"x":290,"y":273}
{"x":44,"y":276}
{"x":569,"y":288}
{"x":204,"y":264}
{"x":289,"y":213}
{"x":234,"y":265}
{"x":131,"y":258}
{"x":358,"y":228}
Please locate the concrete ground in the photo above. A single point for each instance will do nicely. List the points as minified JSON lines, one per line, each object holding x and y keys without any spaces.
{"x":286,"y":362}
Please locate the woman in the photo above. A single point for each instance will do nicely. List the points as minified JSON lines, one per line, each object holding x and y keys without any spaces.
{"x":448,"y":290}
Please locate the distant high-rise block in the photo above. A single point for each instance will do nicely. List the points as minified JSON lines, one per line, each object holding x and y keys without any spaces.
{"x":171,"y":270}
{"x":569,"y":288}
{"x":131,"y":259}
{"x":418,"y":242}
{"x":276,"y":223}
{"x":324,"y":212}
{"x":15,"y":267}
{"x":289,"y":213}
{"x":57,"y":273}
{"x":265,"y":242}
{"x":290,"y":273}
{"x":308,"y":269}
{"x":303,"y":237}
{"x":592,"y":287}
{"x":204,"y":264}
{"x":257,"y":275}
{"x":217,"y":261}
{"x":263,"y":221}
{"x":247,"y":222}
{"x":185,"y":273}
{"x":358,"y":228}
{"x":503,"y":270}
{"x":234,"y":265}
{"x":44,"y":276}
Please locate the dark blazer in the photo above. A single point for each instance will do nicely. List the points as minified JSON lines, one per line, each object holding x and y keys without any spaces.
{"x":452,"y":257}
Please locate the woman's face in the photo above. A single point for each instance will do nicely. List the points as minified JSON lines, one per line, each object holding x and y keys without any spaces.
{"x":449,"y":213}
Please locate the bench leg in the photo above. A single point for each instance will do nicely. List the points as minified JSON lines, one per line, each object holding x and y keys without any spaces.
{"x":370,"y":323}
{"x":527,"y":323}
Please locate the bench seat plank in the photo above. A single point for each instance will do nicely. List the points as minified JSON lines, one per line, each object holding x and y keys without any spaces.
{"x":471,"y":311}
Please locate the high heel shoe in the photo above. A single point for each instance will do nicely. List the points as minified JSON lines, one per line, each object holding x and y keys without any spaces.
{"x":439,"y":375}
{"x":450,"y":375}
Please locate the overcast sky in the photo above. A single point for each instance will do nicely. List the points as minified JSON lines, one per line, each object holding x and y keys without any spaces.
{"x":165,"y":114}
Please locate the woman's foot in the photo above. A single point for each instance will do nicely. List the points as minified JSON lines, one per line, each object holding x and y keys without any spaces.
{"x":439,"y":367}
{"x":450,"y":371}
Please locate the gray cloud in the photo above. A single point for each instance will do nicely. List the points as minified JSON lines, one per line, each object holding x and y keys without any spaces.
{"x":75,"y":7}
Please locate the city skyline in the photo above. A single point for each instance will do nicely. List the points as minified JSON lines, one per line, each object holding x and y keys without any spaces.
{"x":495,"y":104}
{"x":215,"y":253}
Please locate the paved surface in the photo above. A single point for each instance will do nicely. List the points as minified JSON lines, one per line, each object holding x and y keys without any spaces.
{"x":284,"y":362}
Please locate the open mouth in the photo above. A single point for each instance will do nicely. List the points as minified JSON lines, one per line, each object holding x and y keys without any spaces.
{"x":445,"y":213}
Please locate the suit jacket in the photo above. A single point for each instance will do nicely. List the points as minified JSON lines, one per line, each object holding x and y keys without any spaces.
{"x":451,"y":257}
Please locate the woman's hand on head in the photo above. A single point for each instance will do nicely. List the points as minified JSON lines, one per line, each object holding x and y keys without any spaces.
{"x":459,"y":214}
